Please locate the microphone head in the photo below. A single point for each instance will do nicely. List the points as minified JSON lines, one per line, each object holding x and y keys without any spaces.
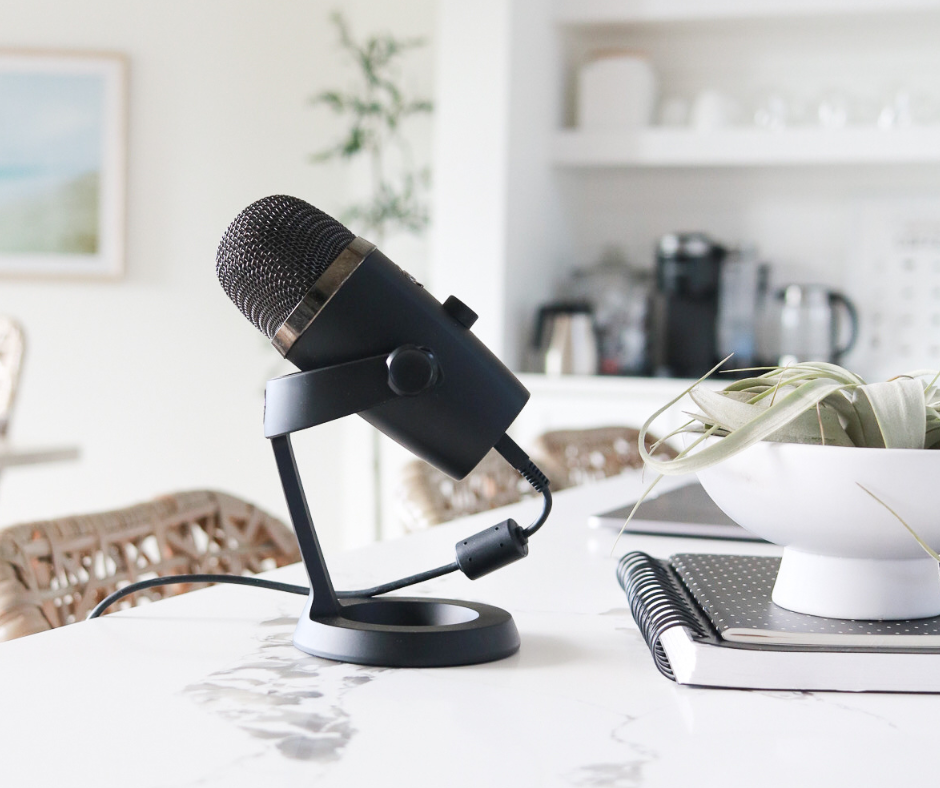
{"x":273,"y":253}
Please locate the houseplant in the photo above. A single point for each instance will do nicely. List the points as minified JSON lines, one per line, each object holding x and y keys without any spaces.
{"x":376,"y":111}
{"x":838,"y":471}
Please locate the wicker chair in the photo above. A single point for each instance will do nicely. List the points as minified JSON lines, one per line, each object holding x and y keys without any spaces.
{"x":592,"y":454}
{"x":568,"y":457}
{"x":12,"y":346}
{"x":54,"y":572}
{"x":429,"y":497}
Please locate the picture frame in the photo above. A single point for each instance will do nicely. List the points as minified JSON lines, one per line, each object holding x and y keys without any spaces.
{"x":63,"y":130}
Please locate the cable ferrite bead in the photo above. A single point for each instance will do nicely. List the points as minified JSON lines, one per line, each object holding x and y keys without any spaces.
{"x":492,"y":549}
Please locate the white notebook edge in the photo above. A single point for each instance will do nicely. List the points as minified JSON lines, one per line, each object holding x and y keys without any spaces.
{"x":703,"y":664}
{"x":764,"y":637}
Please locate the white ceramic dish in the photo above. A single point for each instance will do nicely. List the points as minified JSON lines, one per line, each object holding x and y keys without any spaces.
{"x":845,"y":555}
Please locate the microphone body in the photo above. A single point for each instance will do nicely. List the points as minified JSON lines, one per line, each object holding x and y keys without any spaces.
{"x":325,"y":298}
{"x":377,"y":308}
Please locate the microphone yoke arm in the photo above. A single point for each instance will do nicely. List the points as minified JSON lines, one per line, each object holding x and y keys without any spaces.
{"x":306,"y":399}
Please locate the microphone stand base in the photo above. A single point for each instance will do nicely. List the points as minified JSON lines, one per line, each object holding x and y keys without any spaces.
{"x":408,"y":632}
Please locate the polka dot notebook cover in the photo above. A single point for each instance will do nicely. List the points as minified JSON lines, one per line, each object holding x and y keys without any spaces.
{"x":734,"y":593}
{"x":709,"y":621}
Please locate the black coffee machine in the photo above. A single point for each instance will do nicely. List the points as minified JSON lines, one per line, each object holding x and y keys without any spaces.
{"x":685,"y":308}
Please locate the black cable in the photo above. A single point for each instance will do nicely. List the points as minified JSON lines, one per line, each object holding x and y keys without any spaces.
{"x":394,"y":585}
{"x":546,"y":510}
{"x":518,"y":459}
{"x":140,"y":585}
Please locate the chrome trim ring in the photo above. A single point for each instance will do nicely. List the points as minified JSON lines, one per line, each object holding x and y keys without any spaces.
{"x":329,"y":283}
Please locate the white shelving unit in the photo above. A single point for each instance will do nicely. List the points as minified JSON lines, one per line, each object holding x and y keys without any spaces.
{"x":522,"y":196}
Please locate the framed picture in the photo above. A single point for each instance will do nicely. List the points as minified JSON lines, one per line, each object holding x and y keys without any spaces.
{"x":62,"y":164}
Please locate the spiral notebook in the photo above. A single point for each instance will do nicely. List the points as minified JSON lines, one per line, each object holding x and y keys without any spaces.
{"x":709,"y":620}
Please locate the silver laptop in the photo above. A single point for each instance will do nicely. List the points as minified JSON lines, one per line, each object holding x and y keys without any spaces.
{"x":684,"y":511}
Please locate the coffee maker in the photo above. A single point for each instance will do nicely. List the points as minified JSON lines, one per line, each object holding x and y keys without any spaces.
{"x":685,"y":306}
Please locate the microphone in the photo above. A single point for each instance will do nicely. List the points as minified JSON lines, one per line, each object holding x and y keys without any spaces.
{"x":326,"y":297}
{"x":369,"y":339}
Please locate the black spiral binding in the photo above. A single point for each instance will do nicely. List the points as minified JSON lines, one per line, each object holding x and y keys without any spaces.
{"x":656,"y":602}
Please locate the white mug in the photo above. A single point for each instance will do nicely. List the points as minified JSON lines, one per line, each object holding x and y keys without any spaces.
{"x":616,"y":93}
{"x":713,"y":109}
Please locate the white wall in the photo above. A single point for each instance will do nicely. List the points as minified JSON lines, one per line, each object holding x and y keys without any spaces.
{"x":501,"y":233}
{"x":157,"y":377}
{"x":470,"y":158}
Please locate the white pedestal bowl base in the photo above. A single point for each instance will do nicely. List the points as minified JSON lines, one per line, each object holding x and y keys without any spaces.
{"x":859,"y":588}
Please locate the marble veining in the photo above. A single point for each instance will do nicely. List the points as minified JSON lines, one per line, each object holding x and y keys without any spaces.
{"x":290,"y":700}
{"x":626,"y":773}
{"x":832,"y":700}
{"x":614,"y":775}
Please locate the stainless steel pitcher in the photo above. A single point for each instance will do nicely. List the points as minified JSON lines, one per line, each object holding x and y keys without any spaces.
{"x":813,"y":323}
{"x":566,"y":343}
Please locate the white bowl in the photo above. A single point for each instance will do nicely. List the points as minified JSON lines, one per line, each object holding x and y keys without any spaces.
{"x":845,"y":555}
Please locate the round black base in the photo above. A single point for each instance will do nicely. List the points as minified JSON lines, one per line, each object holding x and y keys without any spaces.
{"x":409,"y":632}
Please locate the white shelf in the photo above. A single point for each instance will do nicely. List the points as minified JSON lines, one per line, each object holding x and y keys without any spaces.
{"x":740,"y":147}
{"x":538,"y":383}
{"x":603,"y":12}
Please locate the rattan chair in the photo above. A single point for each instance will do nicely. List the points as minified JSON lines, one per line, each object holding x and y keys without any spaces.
{"x":12,"y":347}
{"x":591,"y":454}
{"x":54,"y":572}
{"x":429,"y":497}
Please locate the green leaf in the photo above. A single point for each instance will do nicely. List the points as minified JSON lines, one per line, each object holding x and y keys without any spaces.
{"x":332,"y":98}
{"x":732,"y":413}
{"x":780,"y":414}
{"x":842,"y":403}
{"x":927,"y":549}
{"x":893,"y":414}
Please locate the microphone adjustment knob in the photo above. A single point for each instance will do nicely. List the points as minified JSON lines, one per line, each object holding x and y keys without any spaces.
{"x":411,"y":370}
{"x":458,"y":310}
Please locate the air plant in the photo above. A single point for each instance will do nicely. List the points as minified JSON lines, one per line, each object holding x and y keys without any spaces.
{"x":815,"y":403}
{"x":810,"y":403}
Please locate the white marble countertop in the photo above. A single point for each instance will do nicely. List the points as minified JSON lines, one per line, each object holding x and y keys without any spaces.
{"x":206,"y":689}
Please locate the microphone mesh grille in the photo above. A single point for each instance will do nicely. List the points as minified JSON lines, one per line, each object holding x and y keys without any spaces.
{"x":273,"y":253}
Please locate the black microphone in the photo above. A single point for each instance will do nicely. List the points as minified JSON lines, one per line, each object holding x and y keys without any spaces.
{"x":326,"y":297}
{"x":369,"y":339}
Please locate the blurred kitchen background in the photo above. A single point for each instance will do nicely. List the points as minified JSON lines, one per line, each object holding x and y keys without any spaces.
{"x":626,"y":191}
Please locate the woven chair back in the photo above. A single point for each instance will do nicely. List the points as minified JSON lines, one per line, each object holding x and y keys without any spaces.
{"x":54,"y":572}
{"x":568,"y":457}
{"x":12,"y":348}
{"x":588,"y":455}
{"x":429,"y":497}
